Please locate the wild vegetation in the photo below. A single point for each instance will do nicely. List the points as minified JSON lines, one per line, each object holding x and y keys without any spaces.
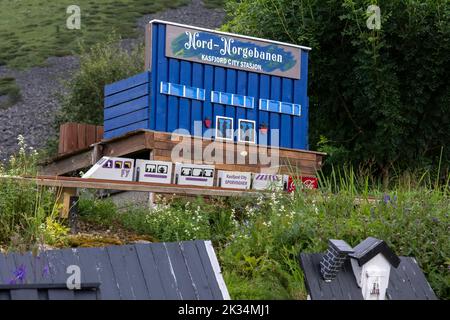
{"x":28,"y":213}
{"x":258,"y":242}
{"x":378,"y":98}
{"x":101,"y":64}
{"x":9,"y":92}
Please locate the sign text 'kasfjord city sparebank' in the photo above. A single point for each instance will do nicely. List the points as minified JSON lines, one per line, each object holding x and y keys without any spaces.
{"x":232,"y":52}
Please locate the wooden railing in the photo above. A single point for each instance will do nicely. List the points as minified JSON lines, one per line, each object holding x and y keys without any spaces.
{"x":78,"y":136}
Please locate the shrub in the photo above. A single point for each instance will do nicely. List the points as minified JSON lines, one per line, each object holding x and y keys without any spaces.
{"x":9,"y":92}
{"x":102,"y":64}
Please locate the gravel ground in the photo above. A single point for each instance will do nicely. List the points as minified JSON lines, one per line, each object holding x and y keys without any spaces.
{"x":33,"y":115}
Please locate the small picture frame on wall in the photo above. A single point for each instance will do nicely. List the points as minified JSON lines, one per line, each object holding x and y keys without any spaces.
{"x":247,"y":131}
{"x":224,"y":128}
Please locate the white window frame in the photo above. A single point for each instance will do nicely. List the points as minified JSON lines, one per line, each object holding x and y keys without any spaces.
{"x":254,"y":131}
{"x":217,"y":128}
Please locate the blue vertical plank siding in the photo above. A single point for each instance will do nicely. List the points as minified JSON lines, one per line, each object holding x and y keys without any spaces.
{"x":197,"y":81}
{"x":185,"y":104}
{"x":137,"y":103}
{"x":241,"y":89}
{"x":285,"y":121}
{"x":274,"y":119}
{"x":219,"y":85}
{"x":264,"y":93}
{"x":162,"y":75}
{"x":173,"y":107}
{"x":230,"y":111}
{"x":207,"y":105}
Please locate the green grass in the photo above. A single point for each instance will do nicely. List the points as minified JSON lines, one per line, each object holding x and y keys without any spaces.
{"x":9,"y":92}
{"x":214,"y":3}
{"x":32,"y":30}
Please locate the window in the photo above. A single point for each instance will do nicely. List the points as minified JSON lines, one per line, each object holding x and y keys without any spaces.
{"x":108,"y":164}
{"x":280,"y":107}
{"x":163,"y":169}
{"x":151,"y":168}
{"x":186,"y":171}
{"x":224,"y":128}
{"x":232,"y":99}
{"x":183,"y":91}
{"x":127,"y":165}
{"x":247,"y":131}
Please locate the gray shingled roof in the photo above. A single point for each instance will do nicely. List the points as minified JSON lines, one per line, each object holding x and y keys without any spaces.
{"x":183,"y":270}
{"x":406,"y":282}
{"x":370,"y":247}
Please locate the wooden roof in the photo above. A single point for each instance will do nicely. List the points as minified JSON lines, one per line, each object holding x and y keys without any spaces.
{"x":182,"y":270}
{"x":406,"y":282}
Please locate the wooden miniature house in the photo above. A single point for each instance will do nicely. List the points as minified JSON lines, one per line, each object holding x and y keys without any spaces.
{"x":210,"y":88}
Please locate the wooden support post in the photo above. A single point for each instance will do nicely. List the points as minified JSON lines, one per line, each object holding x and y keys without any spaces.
{"x":97,"y":153}
{"x":64,"y":200}
{"x":151,"y":195}
{"x":73,"y":214}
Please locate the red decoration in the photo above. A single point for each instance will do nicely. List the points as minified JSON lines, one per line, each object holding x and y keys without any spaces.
{"x":307,"y":183}
{"x":263,"y":128}
{"x":207,"y":122}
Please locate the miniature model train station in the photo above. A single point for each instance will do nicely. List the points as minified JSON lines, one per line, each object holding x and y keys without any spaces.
{"x":211,"y":109}
{"x":213,"y":114}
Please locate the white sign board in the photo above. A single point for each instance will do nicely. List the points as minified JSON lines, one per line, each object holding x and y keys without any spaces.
{"x":153,"y":171}
{"x":110,"y":168}
{"x":234,"y":179}
{"x":263,"y":181}
{"x":194,"y":174}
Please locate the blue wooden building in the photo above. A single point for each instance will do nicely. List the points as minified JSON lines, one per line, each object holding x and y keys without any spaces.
{"x":214,"y":84}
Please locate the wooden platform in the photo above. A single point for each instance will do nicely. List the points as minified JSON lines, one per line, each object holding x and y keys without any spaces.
{"x":79,"y":183}
{"x":147,"y":144}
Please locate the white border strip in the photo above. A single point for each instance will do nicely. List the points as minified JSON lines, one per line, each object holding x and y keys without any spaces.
{"x":254,"y":131}
{"x":217,"y":129}
{"x":215,"y":265}
{"x":229,"y":34}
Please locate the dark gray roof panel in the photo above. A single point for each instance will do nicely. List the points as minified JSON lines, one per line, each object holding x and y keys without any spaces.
{"x":141,"y":271}
{"x":209,"y":271}
{"x":152,"y":278}
{"x":341,"y":245}
{"x":406,"y":282}
{"x":343,"y":287}
{"x":370,"y":247}
{"x":197,"y":273}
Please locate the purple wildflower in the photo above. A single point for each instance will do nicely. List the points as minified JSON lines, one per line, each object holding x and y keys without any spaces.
{"x":386,"y":198}
{"x":45,"y":271}
{"x":20,"y":273}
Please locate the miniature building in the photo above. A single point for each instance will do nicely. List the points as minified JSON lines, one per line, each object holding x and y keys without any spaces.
{"x":223,"y":81}
{"x":369,"y":271}
{"x":208,"y":87}
{"x":186,"y":270}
